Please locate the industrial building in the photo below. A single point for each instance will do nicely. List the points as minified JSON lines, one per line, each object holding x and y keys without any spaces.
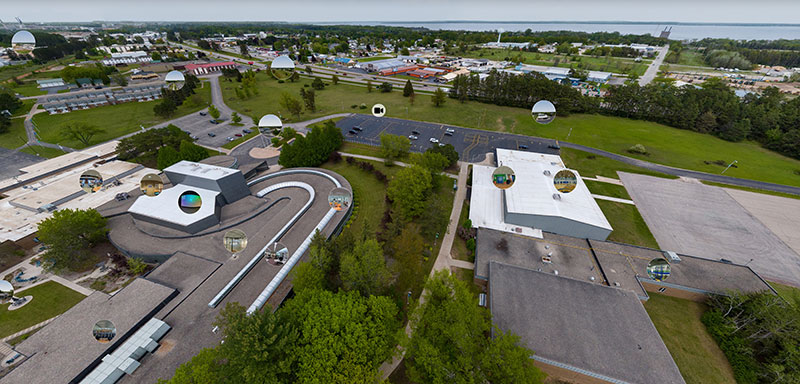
{"x":533,"y":204}
{"x":119,"y":58}
{"x":71,"y":102}
{"x":203,"y":69}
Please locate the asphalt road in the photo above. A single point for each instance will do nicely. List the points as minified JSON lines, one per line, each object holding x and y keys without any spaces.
{"x":652,"y":70}
{"x":473,"y":144}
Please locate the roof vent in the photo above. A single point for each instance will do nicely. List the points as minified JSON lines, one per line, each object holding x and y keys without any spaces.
{"x":555,"y":272}
{"x":556,"y":196}
{"x":547,"y":172}
{"x":616,"y":284}
{"x":591,"y":278}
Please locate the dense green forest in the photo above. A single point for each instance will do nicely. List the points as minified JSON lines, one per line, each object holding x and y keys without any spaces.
{"x":766,"y":52}
{"x":769,"y":118}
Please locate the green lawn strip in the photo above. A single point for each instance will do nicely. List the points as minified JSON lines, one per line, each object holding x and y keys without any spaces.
{"x":49,"y":299}
{"x":666,"y":145}
{"x":373,"y":58}
{"x":607,"y":189}
{"x":781,"y":194}
{"x":591,"y":165}
{"x":15,"y":137}
{"x":789,"y":293}
{"x":361,"y":149}
{"x":459,"y":250}
{"x":116,"y":120}
{"x":368,"y":192}
{"x":694,"y":350}
{"x":45,"y":152}
{"x":239,"y":140}
{"x":628,"y":225}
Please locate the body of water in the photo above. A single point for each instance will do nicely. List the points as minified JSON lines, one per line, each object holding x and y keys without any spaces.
{"x":680,"y":31}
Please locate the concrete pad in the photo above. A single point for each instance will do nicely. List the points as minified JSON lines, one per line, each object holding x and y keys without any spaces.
{"x":697,"y":219}
{"x":780,"y":214}
{"x":264,"y":153}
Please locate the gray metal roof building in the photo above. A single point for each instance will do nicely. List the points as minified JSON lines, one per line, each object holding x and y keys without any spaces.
{"x":594,"y":330}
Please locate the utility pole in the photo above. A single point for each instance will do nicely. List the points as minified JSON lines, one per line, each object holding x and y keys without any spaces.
{"x":729,"y":165}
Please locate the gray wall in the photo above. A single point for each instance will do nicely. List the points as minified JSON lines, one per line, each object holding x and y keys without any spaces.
{"x":232,"y":187}
{"x":555,"y":224}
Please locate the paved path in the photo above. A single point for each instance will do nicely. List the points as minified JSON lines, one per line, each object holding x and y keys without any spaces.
{"x":614,"y":199}
{"x":461,"y":264}
{"x":363,"y":157}
{"x":603,"y":179}
{"x":652,"y":70}
{"x":443,"y":261}
{"x":71,"y":285}
{"x":26,"y":330}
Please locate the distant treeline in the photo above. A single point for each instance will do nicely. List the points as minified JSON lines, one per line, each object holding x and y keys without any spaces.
{"x":769,"y":118}
{"x":767,"y":52}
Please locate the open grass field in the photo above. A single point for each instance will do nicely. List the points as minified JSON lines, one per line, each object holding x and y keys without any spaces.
{"x":697,"y":355}
{"x":790,"y":294}
{"x":49,"y":299}
{"x":45,"y":152}
{"x":591,"y":165}
{"x":361,"y":149}
{"x":589,"y":63}
{"x":374,"y":58}
{"x":25,"y":108}
{"x":607,"y":189}
{"x":666,"y":145}
{"x":368,"y":192}
{"x":15,"y":137}
{"x":29,"y":88}
{"x":116,"y":120}
{"x":629,"y":226}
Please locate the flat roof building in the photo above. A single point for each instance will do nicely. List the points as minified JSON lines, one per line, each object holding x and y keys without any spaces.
{"x":202,"y":69}
{"x":533,"y":203}
{"x":584,"y":331}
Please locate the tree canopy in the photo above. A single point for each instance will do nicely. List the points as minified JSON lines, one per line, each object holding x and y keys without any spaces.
{"x":408,"y":190}
{"x":69,"y":234}
{"x":394,"y":147}
{"x":363,"y":269}
{"x":449,"y":343}
{"x":313,"y":149}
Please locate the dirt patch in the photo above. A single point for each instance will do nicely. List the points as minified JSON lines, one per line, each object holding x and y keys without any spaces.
{"x":165,"y":347}
{"x":501,"y":127}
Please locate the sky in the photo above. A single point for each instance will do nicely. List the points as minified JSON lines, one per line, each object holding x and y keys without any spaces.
{"x":709,"y":11}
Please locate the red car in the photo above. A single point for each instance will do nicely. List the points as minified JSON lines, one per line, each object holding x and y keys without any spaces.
{"x":238,"y":135}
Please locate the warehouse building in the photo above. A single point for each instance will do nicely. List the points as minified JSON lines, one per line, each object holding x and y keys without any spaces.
{"x":533,"y":204}
{"x":203,"y":69}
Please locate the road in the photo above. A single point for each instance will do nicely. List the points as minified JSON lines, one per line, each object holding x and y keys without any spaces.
{"x":473,"y":144}
{"x":652,"y":70}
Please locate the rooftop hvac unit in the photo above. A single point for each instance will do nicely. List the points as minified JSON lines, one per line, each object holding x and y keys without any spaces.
{"x":482,"y":299}
{"x":672,"y":257}
{"x":556,"y":196}
{"x":547,"y":172}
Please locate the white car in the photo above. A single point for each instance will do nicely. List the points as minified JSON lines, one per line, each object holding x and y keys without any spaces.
{"x":434,"y":140}
{"x":412,"y":137}
{"x":450,"y":131}
{"x":230,"y":138}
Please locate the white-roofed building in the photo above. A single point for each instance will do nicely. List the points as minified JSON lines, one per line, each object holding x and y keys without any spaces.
{"x":533,"y":204}
{"x":598,"y":77}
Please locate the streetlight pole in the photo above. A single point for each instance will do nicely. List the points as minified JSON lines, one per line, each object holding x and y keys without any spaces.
{"x":729,"y":165}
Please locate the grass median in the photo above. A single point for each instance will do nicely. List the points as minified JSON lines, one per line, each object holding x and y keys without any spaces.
{"x":629,"y":226}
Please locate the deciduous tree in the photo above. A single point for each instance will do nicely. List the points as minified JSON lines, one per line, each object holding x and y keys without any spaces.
{"x":82,"y":132}
{"x":69,"y":234}
{"x":408,"y":190}
{"x":364,"y":269}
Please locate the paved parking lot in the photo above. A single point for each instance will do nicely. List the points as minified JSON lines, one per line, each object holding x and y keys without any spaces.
{"x":471,"y":144}
{"x":11,"y":161}
{"x":701,"y":220}
{"x":200,"y":126}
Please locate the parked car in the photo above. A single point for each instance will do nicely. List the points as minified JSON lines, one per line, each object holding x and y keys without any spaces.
{"x":442,"y":144}
{"x":415,"y":132}
{"x":554,"y":145}
{"x":434,"y":140}
{"x":413,"y":137}
{"x":246,"y":131}
{"x":212,"y":134}
{"x":450,"y":131}
{"x":203,"y":113}
{"x":238,"y":135}
{"x":352,"y":132}
{"x":194,"y":137}
{"x":523,"y":146}
{"x":230,"y":138}
{"x":213,"y":121}
{"x":357,"y":128}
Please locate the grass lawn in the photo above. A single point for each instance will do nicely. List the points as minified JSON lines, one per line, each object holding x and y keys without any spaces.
{"x":790,"y":294}
{"x":15,"y":137}
{"x":691,"y":57}
{"x":49,"y":299}
{"x":117,"y":120}
{"x":607,"y":189}
{"x":629,"y":227}
{"x":373,"y":58}
{"x":459,"y":249}
{"x":697,"y":355}
{"x":45,"y":152}
{"x":589,"y":63}
{"x":29,"y":88}
{"x":368,"y":192}
{"x":591,"y":165}
{"x":669,"y":146}
{"x":361,"y":149}
{"x":781,"y":194}
{"x":25,"y":108}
